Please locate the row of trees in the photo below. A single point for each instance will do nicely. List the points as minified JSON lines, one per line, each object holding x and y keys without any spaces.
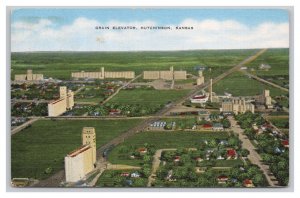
{"x":126,"y":109}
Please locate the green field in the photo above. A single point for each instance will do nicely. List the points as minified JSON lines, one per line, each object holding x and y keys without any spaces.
{"x":163,"y":140}
{"x":147,"y":96}
{"x":280,"y":122}
{"x":61,"y":64}
{"x":46,"y":142}
{"x":90,"y":94}
{"x":278,"y":59}
{"x":239,"y":84}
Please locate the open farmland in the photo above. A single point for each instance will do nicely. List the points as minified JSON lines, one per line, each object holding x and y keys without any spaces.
{"x":147,"y":96}
{"x":239,"y":84}
{"x":61,"y":64}
{"x":278,"y":59}
{"x":45,"y":143}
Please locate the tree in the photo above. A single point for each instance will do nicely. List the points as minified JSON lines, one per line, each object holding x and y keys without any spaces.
{"x":146,"y":159}
{"x":234,"y":172}
{"x":226,"y":123}
{"x":233,"y":141}
{"x":250,"y":133}
{"x":268,"y":158}
{"x":138,"y":182}
{"x":282,"y":165}
{"x":167,"y":156}
{"x":146,"y":170}
{"x":258,"y":179}
{"x":123,"y":149}
{"x":244,"y":152}
{"x":185,"y":158}
{"x":253,"y":170}
{"x":212,"y":143}
{"x":162,"y":172}
{"x":282,"y":176}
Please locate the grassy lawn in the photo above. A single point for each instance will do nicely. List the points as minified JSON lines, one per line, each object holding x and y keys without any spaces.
{"x":46,"y":143}
{"x":240,"y":85}
{"x":187,"y":81}
{"x":147,"y":97}
{"x":280,"y":122}
{"x":61,"y":64}
{"x":162,"y":140}
{"x":90,"y":94}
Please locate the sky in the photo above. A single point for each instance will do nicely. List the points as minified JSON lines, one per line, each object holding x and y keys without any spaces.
{"x":42,"y":29}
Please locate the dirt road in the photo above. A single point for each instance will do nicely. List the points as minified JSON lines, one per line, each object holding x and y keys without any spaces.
{"x":253,"y":157}
{"x":155,"y":164}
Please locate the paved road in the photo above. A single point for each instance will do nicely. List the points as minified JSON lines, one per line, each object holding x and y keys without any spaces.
{"x":86,"y":103}
{"x":110,"y":117}
{"x":265,"y":81}
{"x":118,"y":90}
{"x":155,"y":164}
{"x":78,"y":90}
{"x":30,"y":101}
{"x":23,"y":126}
{"x":253,"y":157}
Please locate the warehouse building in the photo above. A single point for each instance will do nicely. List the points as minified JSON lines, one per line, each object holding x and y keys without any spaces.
{"x":236,"y":105}
{"x":82,"y":161}
{"x":200,"y":79}
{"x":103,"y":74}
{"x":165,"y":75}
{"x":29,"y":76}
{"x":64,"y":103}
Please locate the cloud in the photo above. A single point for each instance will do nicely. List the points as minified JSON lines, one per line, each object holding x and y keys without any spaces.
{"x":81,"y":35}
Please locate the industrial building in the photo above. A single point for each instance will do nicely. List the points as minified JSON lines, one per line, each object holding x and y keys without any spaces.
{"x":165,"y":75}
{"x":64,"y":103}
{"x":81,"y":161}
{"x":200,"y":79}
{"x":29,"y":76}
{"x":236,"y":105}
{"x":103,"y":74}
{"x":265,"y":99}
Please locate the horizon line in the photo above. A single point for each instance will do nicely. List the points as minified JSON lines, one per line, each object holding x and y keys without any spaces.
{"x":149,"y":50}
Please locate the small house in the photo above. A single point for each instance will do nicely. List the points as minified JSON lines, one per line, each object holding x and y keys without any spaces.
{"x":248,"y":183}
{"x":135,"y":175}
{"x":142,"y":150}
{"x":231,"y":154}
{"x":218,"y":127}
{"x":222,"y":179}
{"x":125,"y":174}
{"x":207,"y":126}
{"x":177,"y":159}
{"x":114,"y":112}
{"x":285,"y":143}
{"x":199,"y":159}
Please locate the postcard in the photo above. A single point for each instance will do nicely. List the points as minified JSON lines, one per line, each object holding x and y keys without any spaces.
{"x":150,"y":97}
